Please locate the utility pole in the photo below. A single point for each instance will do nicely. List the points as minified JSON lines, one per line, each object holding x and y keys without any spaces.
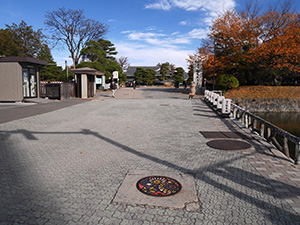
{"x":67,"y":69}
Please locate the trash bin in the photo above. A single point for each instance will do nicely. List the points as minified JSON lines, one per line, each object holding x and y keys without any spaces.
{"x":53,"y":91}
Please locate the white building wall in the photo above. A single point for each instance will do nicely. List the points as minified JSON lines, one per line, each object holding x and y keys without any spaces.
{"x":84,"y":86}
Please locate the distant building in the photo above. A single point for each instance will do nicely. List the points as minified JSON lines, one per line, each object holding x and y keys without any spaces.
{"x":131,"y":70}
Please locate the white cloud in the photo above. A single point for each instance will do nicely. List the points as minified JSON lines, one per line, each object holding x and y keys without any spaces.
{"x":151,"y":28}
{"x":198,"y":33}
{"x":184,"y":23}
{"x":205,"y":20}
{"x":209,"y":20}
{"x":143,"y":55}
{"x":126,"y":32}
{"x":181,"y":40}
{"x":159,"y":38}
{"x":143,"y":35}
{"x":161,"y":4}
{"x":60,"y":56}
{"x":213,"y":7}
{"x":150,"y":48}
{"x":210,"y":8}
{"x":175,"y":33}
{"x":205,"y":5}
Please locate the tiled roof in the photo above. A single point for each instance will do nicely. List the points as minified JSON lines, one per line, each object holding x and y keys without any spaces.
{"x":131,"y":70}
{"x":23,"y":59}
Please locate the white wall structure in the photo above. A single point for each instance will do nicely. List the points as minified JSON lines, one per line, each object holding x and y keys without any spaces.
{"x":84,"y":86}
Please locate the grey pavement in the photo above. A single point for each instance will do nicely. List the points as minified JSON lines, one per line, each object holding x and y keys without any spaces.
{"x":36,"y":106}
{"x":66,"y":166}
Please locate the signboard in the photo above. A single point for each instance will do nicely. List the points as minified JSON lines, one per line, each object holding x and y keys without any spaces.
{"x":98,"y":80}
{"x":226,"y":107}
{"x":115,"y":75}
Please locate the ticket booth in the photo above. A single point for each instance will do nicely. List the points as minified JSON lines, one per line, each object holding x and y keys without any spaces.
{"x":19,"y":78}
{"x":85,"y":81}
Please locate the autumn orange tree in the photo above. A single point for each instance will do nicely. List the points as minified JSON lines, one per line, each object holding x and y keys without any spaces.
{"x":255,"y":47}
{"x":228,"y":44}
{"x":278,"y":54}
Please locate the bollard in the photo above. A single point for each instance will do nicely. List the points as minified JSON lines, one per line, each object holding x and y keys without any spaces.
{"x":220,"y":102}
{"x":211,"y":97}
{"x":206,"y":94}
{"x":215,"y":99}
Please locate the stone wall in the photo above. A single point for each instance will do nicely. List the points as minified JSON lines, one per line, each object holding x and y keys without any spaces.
{"x":269,"y":105}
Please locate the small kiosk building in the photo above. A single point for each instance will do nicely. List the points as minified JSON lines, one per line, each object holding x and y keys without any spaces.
{"x":86,"y":85}
{"x":19,"y":78}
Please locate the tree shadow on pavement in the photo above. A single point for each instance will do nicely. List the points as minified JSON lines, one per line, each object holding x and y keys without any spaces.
{"x":224,"y":169}
{"x":22,"y":199}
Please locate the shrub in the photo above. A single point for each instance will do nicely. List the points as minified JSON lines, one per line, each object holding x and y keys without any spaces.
{"x":227,"y":81}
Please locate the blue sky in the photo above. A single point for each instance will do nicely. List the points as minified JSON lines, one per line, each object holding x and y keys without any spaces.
{"x":146,"y":31}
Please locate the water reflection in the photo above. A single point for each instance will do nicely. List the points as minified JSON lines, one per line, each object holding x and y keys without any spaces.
{"x":288,"y":121}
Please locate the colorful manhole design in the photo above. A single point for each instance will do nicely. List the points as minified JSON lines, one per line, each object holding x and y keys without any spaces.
{"x":158,"y":186}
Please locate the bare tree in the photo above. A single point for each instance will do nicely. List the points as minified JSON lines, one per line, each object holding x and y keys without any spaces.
{"x":123,"y":62}
{"x":251,"y":11}
{"x":283,"y":6}
{"x":70,"y":27}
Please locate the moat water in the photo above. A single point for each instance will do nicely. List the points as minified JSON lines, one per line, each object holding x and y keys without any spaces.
{"x":288,"y":121}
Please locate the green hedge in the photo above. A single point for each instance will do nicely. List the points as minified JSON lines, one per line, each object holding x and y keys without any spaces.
{"x":227,"y":81}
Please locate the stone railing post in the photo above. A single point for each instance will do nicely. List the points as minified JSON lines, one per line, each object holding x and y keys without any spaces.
{"x":286,"y":147}
{"x":262,"y":130}
{"x":297,"y":152}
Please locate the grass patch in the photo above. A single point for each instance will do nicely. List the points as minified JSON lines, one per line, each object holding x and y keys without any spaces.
{"x":264,"y":92}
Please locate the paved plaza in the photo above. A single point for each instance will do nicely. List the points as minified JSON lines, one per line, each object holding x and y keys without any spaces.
{"x":68,"y":164}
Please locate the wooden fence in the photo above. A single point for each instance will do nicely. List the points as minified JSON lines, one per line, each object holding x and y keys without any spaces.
{"x":57,"y":90}
{"x":287,"y":143}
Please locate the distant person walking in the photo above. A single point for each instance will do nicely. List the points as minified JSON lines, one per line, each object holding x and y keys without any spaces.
{"x":133,"y":85}
{"x":192,"y":90}
{"x":113,"y":89}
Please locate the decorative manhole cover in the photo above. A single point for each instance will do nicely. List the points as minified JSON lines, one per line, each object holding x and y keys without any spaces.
{"x":158,"y":186}
{"x":228,"y":144}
